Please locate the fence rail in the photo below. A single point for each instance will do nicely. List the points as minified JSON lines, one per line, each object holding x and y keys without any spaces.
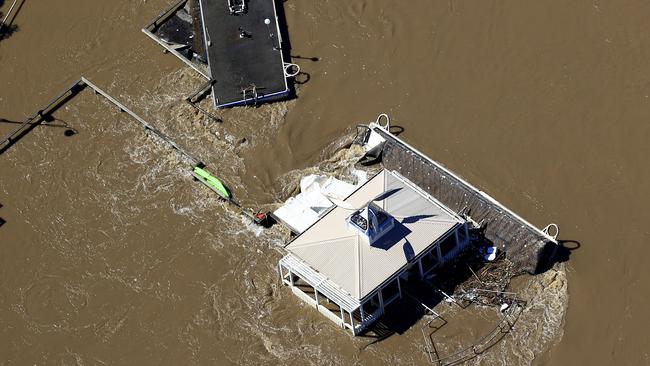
{"x":151,"y":27}
{"x":34,"y":120}
{"x":505,"y":325}
{"x":3,"y":21}
{"x":43,"y":113}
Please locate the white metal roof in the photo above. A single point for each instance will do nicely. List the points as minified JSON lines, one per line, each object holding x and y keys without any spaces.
{"x":341,"y":256}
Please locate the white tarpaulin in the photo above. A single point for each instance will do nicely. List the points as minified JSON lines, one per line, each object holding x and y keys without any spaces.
{"x":301,"y":211}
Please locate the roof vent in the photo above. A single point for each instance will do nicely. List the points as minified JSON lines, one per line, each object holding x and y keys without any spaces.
{"x":371,"y":222}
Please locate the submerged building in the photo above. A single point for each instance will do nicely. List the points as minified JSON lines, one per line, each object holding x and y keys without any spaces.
{"x":350,"y":264}
{"x":352,"y":261}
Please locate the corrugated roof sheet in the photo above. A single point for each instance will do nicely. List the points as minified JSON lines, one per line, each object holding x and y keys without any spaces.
{"x":343,"y":257}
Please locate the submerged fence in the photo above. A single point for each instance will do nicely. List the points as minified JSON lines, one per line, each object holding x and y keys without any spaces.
{"x":155,"y":23}
{"x":44,"y":114}
{"x":508,"y":319}
{"x":41,"y":115}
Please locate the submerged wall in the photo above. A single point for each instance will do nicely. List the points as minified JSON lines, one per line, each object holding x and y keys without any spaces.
{"x":523,"y":244}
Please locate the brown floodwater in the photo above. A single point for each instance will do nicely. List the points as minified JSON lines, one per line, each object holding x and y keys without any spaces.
{"x":110,"y":254}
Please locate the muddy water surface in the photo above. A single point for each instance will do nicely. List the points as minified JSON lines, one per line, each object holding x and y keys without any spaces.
{"x":111,"y":255}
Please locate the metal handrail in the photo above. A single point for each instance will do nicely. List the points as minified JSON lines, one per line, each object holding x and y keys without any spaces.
{"x":74,"y":89}
{"x":149,"y":28}
{"x":287,"y":66}
{"x":144,"y":123}
{"x":7,"y":15}
{"x":252,"y":89}
{"x":39,"y":115}
{"x":502,"y":328}
{"x":165,"y":14}
{"x":175,"y":53}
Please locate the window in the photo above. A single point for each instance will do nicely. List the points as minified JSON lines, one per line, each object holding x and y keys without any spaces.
{"x":430,"y":260}
{"x":390,"y":292}
{"x":461,"y":234}
{"x":447,"y":245}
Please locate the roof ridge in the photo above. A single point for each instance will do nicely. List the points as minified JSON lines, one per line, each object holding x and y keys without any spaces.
{"x":321,"y":241}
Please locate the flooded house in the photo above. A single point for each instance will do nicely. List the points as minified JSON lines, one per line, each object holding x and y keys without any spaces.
{"x":354,"y":257}
{"x":351,"y":262}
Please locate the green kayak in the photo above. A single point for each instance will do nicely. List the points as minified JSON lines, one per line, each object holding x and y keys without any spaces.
{"x":213,"y":182}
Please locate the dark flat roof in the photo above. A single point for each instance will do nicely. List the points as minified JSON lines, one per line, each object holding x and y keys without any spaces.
{"x":238,"y":63}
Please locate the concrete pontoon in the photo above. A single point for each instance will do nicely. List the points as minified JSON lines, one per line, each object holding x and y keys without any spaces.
{"x":244,"y":49}
{"x":351,"y":275}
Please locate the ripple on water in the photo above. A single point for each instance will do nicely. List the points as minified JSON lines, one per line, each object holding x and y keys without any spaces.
{"x":52,"y":300}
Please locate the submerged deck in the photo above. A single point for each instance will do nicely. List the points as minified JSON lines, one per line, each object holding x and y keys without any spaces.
{"x":244,"y":53}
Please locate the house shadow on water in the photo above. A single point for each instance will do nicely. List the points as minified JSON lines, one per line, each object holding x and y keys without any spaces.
{"x":553,"y":253}
{"x":421,"y":295}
